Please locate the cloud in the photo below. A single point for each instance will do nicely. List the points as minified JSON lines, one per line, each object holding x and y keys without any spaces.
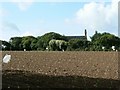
{"x":7,"y":30}
{"x":23,"y":5}
{"x":8,"y":26}
{"x":3,"y":12}
{"x":61,"y":0}
{"x":26,"y":34}
{"x":98,"y":16}
{"x":67,"y":20}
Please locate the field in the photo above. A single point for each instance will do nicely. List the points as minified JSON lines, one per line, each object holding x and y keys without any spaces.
{"x":36,"y":69}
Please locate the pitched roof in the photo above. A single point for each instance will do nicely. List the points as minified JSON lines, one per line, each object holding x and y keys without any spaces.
{"x":77,"y":37}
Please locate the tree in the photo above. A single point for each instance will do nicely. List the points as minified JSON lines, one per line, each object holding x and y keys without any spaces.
{"x":96,"y":36}
{"x":16,"y":43}
{"x":74,"y":44}
{"x":57,"y":45}
{"x":77,"y":44}
{"x":55,"y":41}
{"x":4,"y":45}
{"x":33,"y":44}
{"x":41,"y":44}
{"x":52,"y":45}
{"x":43,"y":41}
{"x":107,"y":40}
{"x":95,"y":39}
{"x":27,"y":42}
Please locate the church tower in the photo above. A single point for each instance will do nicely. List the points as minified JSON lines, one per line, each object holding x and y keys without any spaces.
{"x":86,"y":33}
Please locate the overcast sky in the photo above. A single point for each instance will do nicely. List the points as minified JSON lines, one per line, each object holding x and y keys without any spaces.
{"x":30,"y":17}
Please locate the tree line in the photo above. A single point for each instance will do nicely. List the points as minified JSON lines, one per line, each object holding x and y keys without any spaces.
{"x":55,"y":42}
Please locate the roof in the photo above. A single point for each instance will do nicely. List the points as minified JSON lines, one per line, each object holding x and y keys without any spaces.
{"x":77,"y":37}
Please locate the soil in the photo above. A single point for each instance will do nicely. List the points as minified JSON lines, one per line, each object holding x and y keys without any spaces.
{"x":53,"y":69}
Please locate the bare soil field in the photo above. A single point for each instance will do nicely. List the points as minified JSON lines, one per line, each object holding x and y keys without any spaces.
{"x":35,"y":69}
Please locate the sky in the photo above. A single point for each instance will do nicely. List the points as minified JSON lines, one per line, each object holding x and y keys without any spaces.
{"x":66,"y":17}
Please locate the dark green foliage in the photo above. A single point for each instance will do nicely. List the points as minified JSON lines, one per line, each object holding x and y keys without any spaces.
{"x":74,"y":44}
{"x":77,"y":44}
{"x":16,"y":43}
{"x":29,"y":42}
{"x":33,"y":44}
{"x":20,"y":43}
{"x":98,"y":40}
{"x":4,"y":45}
{"x":43,"y":41}
{"x":107,"y":40}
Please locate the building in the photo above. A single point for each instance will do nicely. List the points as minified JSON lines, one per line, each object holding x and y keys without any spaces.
{"x":79,"y":37}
